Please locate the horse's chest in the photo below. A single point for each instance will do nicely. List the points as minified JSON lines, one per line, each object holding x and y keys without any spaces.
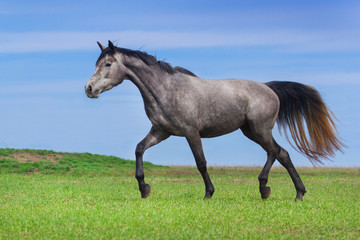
{"x":161,"y":120}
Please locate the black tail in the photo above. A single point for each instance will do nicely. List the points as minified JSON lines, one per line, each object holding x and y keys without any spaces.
{"x":299,"y":102}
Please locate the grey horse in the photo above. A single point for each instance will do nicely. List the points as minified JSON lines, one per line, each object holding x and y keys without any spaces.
{"x":179,"y":103}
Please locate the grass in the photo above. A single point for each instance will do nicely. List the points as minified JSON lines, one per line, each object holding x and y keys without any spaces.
{"x":85,"y":196}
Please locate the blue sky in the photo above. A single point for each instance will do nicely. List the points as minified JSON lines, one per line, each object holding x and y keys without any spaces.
{"x":48,"y":52}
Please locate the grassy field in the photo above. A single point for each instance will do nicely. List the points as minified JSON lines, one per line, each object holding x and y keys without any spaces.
{"x":48,"y":195}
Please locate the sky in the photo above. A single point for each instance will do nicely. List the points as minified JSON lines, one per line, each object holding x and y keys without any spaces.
{"x":48,"y":52}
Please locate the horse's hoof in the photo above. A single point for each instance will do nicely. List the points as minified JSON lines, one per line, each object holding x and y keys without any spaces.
{"x":145,"y":190}
{"x":265,"y":192}
{"x":299,"y":196}
{"x":208,"y":195}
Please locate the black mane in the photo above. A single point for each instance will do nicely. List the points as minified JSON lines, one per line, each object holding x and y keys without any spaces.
{"x":148,"y":60}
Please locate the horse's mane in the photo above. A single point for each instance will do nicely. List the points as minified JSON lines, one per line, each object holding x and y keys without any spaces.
{"x":149,"y":60}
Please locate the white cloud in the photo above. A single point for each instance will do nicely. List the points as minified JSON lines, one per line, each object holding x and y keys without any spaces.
{"x":284,"y":39}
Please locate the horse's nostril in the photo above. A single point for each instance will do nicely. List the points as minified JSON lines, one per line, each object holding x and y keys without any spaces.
{"x":89,"y":89}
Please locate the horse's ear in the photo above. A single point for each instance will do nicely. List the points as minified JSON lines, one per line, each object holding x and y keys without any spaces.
{"x":101,"y":46}
{"x":111,"y":46}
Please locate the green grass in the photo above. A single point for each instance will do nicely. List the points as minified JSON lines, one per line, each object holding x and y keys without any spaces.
{"x":98,"y":198}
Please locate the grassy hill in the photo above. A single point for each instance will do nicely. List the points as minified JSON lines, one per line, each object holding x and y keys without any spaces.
{"x":50,"y":162}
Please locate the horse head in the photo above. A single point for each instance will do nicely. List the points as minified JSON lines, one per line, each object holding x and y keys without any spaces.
{"x":109,"y":72}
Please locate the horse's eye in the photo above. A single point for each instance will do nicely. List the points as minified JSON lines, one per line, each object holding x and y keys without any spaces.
{"x":107,"y":64}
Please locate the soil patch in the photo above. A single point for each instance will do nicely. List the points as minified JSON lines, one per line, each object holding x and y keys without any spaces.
{"x":26,"y":157}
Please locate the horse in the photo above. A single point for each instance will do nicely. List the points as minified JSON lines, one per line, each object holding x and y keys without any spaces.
{"x":179,"y":103}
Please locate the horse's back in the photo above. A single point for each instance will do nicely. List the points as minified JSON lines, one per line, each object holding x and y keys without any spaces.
{"x":250,"y":97}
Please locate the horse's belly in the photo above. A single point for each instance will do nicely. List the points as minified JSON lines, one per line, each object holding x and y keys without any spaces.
{"x":221,"y":126}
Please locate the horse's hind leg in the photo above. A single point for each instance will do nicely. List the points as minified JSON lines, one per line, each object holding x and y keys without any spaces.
{"x":154,"y":137}
{"x":265,"y":139}
{"x":269,"y":145}
{"x":285,"y":160}
{"x":265,"y":191}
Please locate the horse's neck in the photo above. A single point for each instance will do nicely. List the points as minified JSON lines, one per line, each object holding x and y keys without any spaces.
{"x":151,"y":83}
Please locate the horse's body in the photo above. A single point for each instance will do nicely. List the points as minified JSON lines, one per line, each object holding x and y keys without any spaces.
{"x":179,"y":103}
{"x":191,"y":102}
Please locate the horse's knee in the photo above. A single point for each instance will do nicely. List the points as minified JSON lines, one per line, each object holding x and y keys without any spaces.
{"x":201,"y":165}
{"x":139,"y":151}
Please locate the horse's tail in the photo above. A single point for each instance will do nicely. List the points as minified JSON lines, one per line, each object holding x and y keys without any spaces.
{"x":300,"y":102}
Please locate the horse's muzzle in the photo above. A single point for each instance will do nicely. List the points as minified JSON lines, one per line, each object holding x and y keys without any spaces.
{"x":90,"y":92}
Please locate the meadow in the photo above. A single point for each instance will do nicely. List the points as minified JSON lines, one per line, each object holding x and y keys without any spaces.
{"x":49,"y":195}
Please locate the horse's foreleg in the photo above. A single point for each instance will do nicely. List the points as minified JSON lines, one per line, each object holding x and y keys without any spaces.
{"x":154,"y":137}
{"x":285,"y":160}
{"x":194,"y":141}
